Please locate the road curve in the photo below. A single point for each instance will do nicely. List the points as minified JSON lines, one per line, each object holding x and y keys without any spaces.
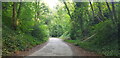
{"x":55,"y":47}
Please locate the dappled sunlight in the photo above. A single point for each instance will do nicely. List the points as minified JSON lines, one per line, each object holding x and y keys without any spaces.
{"x":51,"y":3}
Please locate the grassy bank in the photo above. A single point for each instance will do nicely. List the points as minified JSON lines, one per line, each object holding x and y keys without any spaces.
{"x":107,"y":50}
{"x":18,"y":41}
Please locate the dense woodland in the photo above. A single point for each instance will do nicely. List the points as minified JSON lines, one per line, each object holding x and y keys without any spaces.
{"x":90,"y":25}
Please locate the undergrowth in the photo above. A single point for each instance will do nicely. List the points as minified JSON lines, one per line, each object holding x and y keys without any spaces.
{"x":17,"y":41}
{"x":105,"y":41}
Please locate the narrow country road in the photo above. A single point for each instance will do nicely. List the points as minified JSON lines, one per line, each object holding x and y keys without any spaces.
{"x":55,"y":47}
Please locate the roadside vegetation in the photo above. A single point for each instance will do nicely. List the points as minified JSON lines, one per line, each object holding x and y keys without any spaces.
{"x":95,"y":27}
{"x":89,"y":25}
{"x":22,"y":28}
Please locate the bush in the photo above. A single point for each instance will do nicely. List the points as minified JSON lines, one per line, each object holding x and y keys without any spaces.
{"x":104,"y":42}
{"x":65,"y":35}
{"x":17,"y":41}
{"x":106,"y":37}
{"x":41,"y":32}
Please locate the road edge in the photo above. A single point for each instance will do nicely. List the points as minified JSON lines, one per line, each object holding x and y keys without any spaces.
{"x":77,"y":52}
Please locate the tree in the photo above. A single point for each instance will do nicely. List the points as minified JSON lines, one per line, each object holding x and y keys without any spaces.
{"x":68,"y":9}
{"x":114,"y":13}
{"x":14,"y":18}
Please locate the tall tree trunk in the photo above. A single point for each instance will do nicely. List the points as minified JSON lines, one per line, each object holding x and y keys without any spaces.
{"x":68,"y":10}
{"x":92,"y":9}
{"x":18,"y":14}
{"x":19,"y":10}
{"x":79,"y":18}
{"x":108,"y":7}
{"x":114,"y":13}
{"x":100,"y":11}
{"x":14,"y":16}
{"x":111,"y":13}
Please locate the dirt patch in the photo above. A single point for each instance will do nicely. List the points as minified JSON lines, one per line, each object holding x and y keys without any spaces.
{"x":77,"y":51}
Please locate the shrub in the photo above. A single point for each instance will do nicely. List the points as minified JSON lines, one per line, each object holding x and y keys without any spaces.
{"x":17,"y":41}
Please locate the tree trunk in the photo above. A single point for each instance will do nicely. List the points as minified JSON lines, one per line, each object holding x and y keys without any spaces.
{"x":114,"y":13}
{"x":100,"y":11}
{"x":111,"y":13}
{"x":19,"y":10}
{"x":68,"y":10}
{"x":14,"y":16}
{"x":18,"y":14}
{"x":79,"y":18}
{"x":108,"y":7}
{"x":92,"y":9}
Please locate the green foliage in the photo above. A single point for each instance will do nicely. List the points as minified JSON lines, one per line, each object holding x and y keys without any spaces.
{"x":93,"y":28}
{"x":105,"y":32}
{"x":60,"y":23}
{"x":14,"y":41}
{"x":31,"y":31}
{"x":106,"y":37}
{"x":6,"y":13}
{"x":104,"y":42}
{"x":65,"y":36}
{"x":56,"y":31}
{"x":70,"y":41}
{"x":40,"y":32}
{"x":76,"y":23}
